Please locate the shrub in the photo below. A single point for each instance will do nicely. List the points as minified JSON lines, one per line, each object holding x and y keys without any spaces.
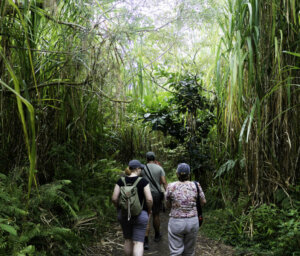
{"x":61,"y":217}
{"x":265,"y":230}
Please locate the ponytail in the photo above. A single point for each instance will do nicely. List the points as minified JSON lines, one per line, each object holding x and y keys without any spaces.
{"x":127,"y":171}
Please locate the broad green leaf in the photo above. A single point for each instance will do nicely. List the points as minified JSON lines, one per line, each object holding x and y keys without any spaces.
{"x":8,"y":229}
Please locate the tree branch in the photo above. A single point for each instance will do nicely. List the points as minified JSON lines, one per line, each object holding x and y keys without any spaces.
{"x":48,"y":84}
{"x":46,"y":51}
{"x":71,"y":84}
{"x":144,"y":68}
{"x":203,"y":88}
{"x":105,"y":95}
{"x":72,"y":25}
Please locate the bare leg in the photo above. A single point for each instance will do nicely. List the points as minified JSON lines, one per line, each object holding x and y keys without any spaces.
{"x":146,"y":240}
{"x":138,"y":248}
{"x":128,"y":247}
{"x":148,"y":226}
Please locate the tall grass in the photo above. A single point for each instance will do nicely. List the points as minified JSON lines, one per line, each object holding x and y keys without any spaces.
{"x":258,"y":93}
{"x":64,"y":71}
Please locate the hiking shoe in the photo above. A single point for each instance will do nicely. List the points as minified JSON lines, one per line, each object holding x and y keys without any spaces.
{"x":157,"y":238}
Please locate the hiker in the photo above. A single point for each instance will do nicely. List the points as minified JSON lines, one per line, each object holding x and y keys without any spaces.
{"x":155,"y":174}
{"x":134,"y":227}
{"x":183,"y":224}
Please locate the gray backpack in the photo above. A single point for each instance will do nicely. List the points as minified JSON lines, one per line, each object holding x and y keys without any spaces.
{"x":129,"y":201}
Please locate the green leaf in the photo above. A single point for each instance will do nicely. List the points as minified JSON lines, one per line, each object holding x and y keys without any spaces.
{"x":292,"y":53}
{"x":226,"y":167}
{"x":8,"y":229}
{"x":250,"y":122}
{"x":27,"y":250}
{"x":2,"y":176}
{"x":243,"y":129}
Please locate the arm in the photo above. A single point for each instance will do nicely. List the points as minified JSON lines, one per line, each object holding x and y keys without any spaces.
{"x":202,"y":196}
{"x":148,"y":196}
{"x":168,"y":199}
{"x":115,"y":195}
{"x":163,"y":181}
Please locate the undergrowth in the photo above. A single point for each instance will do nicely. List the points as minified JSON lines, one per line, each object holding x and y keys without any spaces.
{"x":61,"y":217}
{"x":266,"y":229}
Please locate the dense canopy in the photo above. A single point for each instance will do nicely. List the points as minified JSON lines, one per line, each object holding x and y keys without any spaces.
{"x":87,"y":85}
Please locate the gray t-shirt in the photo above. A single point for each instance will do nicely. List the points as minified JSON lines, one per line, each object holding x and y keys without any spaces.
{"x":157,"y":172}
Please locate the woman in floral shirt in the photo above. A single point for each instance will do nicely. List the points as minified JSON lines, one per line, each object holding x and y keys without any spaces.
{"x":183,"y":223}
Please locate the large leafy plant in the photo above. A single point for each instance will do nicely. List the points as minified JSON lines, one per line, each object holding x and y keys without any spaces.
{"x":188,"y":117}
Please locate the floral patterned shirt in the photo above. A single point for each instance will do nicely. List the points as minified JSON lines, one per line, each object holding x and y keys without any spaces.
{"x":182,"y":196}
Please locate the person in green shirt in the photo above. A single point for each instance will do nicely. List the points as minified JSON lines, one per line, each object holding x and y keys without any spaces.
{"x":155,"y":174}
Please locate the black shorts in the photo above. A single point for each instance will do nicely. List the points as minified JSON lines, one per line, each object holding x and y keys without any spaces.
{"x":157,"y":202}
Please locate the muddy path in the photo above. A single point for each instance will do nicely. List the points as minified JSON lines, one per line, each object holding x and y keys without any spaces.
{"x":112,"y":244}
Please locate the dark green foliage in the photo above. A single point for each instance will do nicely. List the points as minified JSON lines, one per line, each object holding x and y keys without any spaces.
{"x":91,"y":187}
{"x":131,"y":140}
{"x":263,"y":230}
{"x":74,"y":62}
{"x":167,"y":121}
{"x":33,"y":228}
{"x":188,"y":118}
{"x":186,"y":103}
{"x":189,"y":93}
{"x":60,"y":217}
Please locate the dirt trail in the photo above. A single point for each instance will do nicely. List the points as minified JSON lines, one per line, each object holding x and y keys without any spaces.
{"x":112,"y":245}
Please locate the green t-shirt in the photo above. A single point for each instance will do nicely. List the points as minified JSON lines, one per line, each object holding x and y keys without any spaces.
{"x":157,"y":172}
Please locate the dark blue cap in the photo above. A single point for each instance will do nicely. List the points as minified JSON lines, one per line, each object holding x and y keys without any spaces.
{"x":133,"y":164}
{"x":183,"y":168}
{"x":150,"y":155}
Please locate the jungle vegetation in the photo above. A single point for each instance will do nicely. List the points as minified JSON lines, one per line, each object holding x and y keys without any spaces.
{"x":87,"y":85}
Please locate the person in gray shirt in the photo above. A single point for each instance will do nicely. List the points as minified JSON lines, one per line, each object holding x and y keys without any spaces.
{"x":155,"y":174}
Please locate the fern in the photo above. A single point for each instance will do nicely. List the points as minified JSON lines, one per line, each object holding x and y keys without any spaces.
{"x":3,"y":242}
{"x":27,"y":251}
{"x":52,"y":196}
{"x":49,"y":217}
{"x":226,"y":167}
{"x":59,"y":217}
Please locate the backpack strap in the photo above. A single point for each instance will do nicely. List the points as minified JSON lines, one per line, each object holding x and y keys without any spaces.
{"x":151,"y":179}
{"x":199,"y":208}
{"x":137,"y":181}
{"x":134,"y":184}
{"x":123,"y":180}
